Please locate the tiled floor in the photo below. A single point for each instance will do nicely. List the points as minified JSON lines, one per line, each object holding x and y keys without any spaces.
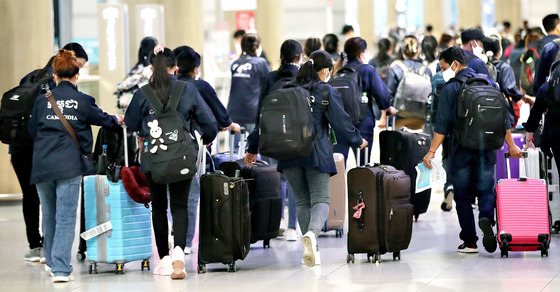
{"x":430,"y":264}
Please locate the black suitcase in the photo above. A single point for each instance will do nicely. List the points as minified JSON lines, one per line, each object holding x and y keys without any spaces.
{"x":264,"y":195}
{"x":225,"y":228}
{"x":385,"y":222}
{"x":405,"y":150}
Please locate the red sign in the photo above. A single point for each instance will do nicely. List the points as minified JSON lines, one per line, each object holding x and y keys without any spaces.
{"x":245,"y":20}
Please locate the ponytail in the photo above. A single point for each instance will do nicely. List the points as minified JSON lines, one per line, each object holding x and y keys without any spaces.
{"x":161,"y":62}
{"x":307,"y":76}
{"x":341,"y":62}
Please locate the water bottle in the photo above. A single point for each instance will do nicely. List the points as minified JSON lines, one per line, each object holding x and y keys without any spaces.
{"x":364,"y":97}
{"x":102,"y":161}
{"x":145,"y":147}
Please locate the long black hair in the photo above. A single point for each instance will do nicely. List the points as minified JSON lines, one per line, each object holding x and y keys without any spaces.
{"x":160,"y":78}
{"x":429,"y":48}
{"x":307,"y":76}
{"x":290,"y":52}
{"x":250,"y":43}
{"x":384,"y":45}
{"x":311,"y":45}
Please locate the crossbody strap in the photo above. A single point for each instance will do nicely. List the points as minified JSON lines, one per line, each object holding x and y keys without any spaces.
{"x":62,"y":119}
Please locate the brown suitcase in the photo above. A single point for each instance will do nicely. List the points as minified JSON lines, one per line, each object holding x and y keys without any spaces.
{"x":337,"y":210}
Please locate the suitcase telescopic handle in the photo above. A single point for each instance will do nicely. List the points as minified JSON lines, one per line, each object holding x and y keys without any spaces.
{"x":508,"y":169}
{"x":125,"y":138}
{"x":358,"y":156}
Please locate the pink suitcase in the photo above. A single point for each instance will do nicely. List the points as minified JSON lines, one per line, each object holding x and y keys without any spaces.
{"x":522,"y":212}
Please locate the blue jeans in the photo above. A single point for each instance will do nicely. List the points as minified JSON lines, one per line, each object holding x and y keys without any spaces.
{"x":286,"y":191}
{"x":59,"y":203}
{"x":312,"y":191}
{"x":474,"y":179}
{"x":192,"y":205}
{"x":366,"y":131}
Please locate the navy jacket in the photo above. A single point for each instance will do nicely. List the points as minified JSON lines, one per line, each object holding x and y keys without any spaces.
{"x":445,"y":121}
{"x":248,"y":78}
{"x":321,"y":155}
{"x":55,"y":155}
{"x":396,"y":74}
{"x":476,"y":64}
{"x":551,"y":131}
{"x":547,"y":57}
{"x":373,"y":85}
{"x":209,"y":95}
{"x":545,"y":40}
{"x":191,"y":105}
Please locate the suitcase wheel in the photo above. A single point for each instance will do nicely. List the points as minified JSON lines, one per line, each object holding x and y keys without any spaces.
{"x":119,"y":268}
{"x":266,"y":243}
{"x":377,"y":258}
{"x":504,"y":250}
{"x":397,"y":256}
{"x":370,"y":257}
{"x":350,"y":258}
{"x":339,"y":233}
{"x":81,"y":256}
{"x":231,"y":267}
{"x":93,"y":268}
{"x":146,"y":264}
{"x":544,"y":252}
{"x":416,"y":217}
{"x":201,"y":268}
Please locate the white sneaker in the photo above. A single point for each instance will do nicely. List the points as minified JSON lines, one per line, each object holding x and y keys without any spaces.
{"x":43,"y":261}
{"x":291,"y":235}
{"x":317,"y":259}
{"x":178,"y":264}
{"x":188,"y":250}
{"x":164,"y":268}
{"x":310,"y":249}
{"x":48,"y":270}
{"x":62,"y":279}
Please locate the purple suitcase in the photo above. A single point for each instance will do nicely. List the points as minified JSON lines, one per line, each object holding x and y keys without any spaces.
{"x":501,"y":172}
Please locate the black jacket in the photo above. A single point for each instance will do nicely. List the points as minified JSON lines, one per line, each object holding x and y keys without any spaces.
{"x":55,"y":155}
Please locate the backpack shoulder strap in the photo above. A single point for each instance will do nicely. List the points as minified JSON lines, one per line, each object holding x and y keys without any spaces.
{"x":176,"y":95}
{"x":152,"y":98}
{"x":557,"y":42}
{"x":422,"y":70}
{"x":325,"y":99}
{"x":460,"y":79}
{"x":402,"y":66}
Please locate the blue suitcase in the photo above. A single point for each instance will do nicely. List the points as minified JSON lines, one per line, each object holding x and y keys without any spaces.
{"x":118,"y":229}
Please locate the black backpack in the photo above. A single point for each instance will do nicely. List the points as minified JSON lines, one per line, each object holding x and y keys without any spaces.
{"x":529,"y":61}
{"x":280,"y":83}
{"x":286,"y":126}
{"x":17,"y":105}
{"x":481,"y":114}
{"x":349,"y":84}
{"x":171,"y":155}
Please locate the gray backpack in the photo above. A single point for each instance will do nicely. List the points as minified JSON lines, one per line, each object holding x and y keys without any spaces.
{"x":411,"y":98}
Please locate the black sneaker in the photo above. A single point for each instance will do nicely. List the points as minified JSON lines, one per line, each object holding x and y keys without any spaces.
{"x":468,"y":248}
{"x":488,"y":240}
{"x":447,"y":203}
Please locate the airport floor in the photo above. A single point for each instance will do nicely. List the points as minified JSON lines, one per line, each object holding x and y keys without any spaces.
{"x":431,"y":263}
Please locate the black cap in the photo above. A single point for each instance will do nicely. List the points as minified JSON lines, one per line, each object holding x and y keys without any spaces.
{"x":474,"y":34}
{"x":79,"y":52}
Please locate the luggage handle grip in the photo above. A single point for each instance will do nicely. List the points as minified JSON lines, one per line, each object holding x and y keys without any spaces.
{"x":508,"y":169}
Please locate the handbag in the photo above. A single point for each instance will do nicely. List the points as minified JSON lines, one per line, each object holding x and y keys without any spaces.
{"x":87,"y":166}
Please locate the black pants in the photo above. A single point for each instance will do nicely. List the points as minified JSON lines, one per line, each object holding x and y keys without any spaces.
{"x":179,"y":196}
{"x":22,"y":162}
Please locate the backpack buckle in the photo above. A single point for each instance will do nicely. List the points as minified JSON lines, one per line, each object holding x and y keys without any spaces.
{"x":324,"y":102}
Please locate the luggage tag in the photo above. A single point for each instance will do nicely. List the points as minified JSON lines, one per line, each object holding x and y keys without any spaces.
{"x":333,"y":136}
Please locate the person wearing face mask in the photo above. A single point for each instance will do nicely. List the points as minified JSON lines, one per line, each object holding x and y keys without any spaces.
{"x":249,"y":74}
{"x":291,"y":54}
{"x":472,"y":170}
{"x":309,"y":176}
{"x":354,"y":56}
{"x":473,"y":39}
{"x":549,"y":52}
{"x":188,"y":64}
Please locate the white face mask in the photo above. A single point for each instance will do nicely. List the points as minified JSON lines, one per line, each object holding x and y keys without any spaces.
{"x":449,"y":73}
{"x":477,"y":51}
{"x":327,"y":77}
{"x":259,"y":51}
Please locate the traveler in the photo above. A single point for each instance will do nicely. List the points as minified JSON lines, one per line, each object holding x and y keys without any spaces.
{"x":446,"y":41}
{"x":330,"y":43}
{"x":430,"y":52}
{"x":549,"y":52}
{"x":354,"y":55}
{"x":291,"y":54}
{"x":472,"y":170}
{"x":472,"y":40}
{"x":21,"y":160}
{"x":188,"y":62}
{"x":248,"y":74}
{"x":383,"y":60}
{"x":59,"y":188}
{"x":309,"y":176}
{"x":139,"y":114}
{"x":138,"y":76}
{"x":399,"y":70}
{"x":348,"y":31}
